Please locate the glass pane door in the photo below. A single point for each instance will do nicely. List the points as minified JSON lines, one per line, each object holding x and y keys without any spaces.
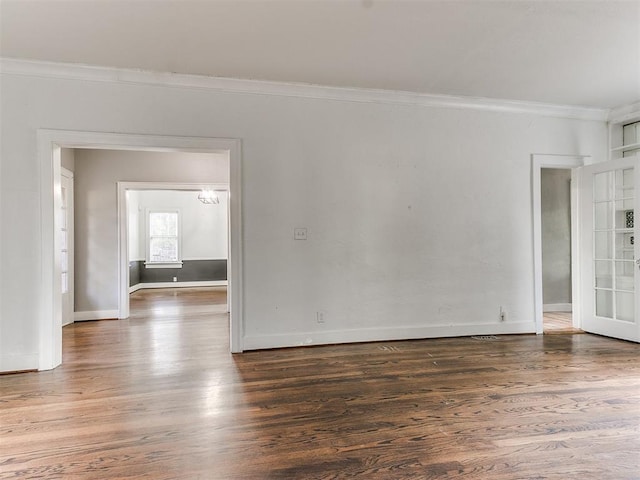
{"x":609,"y":286}
{"x":64,"y":241}
{"x":613,"y":201}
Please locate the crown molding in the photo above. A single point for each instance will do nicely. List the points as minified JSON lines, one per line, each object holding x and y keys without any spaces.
{"x":625,"y":113}
{"x":32,"y":68}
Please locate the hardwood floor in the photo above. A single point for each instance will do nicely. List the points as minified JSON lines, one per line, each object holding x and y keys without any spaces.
{"x":558,"y":322}
{"x":158,"y":396}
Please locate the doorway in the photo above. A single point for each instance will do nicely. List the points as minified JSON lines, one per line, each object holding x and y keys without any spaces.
{"x":202,"y":243}
{"x":555,"y":211}
{"x":50,"y":143}
{"x":570,"y":254}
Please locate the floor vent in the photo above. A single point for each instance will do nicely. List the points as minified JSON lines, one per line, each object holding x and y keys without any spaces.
{"x":485,"y":337}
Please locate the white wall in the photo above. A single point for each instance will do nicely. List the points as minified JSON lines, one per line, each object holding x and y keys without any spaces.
{"x":419,"y":217}
{"x":204,"y":227}
{"x":96,"y":223}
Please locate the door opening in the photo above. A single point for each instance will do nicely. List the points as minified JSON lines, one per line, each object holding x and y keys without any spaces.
{"x":558,"y":226}
{"x":50,"y":143}
{"x":555,"y":198}
{"x":202,"y":245}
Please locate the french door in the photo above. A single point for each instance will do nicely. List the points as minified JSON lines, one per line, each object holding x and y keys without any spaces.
{"x":609,"y":253}
{"x":66,"y":245}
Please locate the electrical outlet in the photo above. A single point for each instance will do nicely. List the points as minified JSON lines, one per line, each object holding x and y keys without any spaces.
{"x":175,"y":279}
{"x":321,"y":316}
{"x":299,"y":233}
{"x":503,"y":314}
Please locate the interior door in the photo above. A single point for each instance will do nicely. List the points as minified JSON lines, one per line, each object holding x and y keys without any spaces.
{"x":66,"y":245}
{"x":609,"y":252}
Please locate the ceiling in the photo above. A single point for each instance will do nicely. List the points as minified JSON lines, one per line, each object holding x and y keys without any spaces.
{"x":583,"y":53}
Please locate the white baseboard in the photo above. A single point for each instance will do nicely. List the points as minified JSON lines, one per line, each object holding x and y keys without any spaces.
{"x":259,"y":342}
{"x":95,"y":315}
{"x":11,"y":362}
{"x":557,"y":307}
{"x":207,"y":283}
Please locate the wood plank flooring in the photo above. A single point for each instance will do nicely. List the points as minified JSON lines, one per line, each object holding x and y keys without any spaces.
{"x":158,"y":396}
{"x":558,"y":322}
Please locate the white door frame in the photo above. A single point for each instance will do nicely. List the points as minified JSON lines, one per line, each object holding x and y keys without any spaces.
{"x":49,"y":143}
{"x":123,"y":233}
{"x":538,"y":162}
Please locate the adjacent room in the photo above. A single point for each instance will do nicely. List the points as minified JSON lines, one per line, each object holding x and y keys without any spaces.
{"x":556,"y":250}
{"x":319,"y":240}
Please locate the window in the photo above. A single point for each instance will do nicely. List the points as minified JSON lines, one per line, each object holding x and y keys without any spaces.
{"x":163,"y":238}
{"x":624,"y":136}
{"x":631,"y":139}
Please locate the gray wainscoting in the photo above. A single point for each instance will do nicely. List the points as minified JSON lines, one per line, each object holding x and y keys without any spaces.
{"x":134,"y":272}
{"x":191,"y":271}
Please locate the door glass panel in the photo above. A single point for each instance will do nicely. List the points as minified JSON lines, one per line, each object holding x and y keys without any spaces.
{"x":624,"y":276}
{"x":603,"y":218}
{"x":601,"y":187}
{"x":622,"y":183}
{"x":624,"y":213}
{"x":603,"y":248}
{"x":604,"y":275}
{"x":624,"y":246}
{"x":624,"y":306}
{"x":604,"y":303}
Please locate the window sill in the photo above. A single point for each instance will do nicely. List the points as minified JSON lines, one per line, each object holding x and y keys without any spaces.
{"x":163,"y":264}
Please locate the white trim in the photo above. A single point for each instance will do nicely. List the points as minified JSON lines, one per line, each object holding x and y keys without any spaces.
{"x":557,"y":307}
{"x":200,"y":259}
{"x":95,"y":315}
{"x":258,"y":342}
{"x":625,"y":113}
{"x":538,"y":162}
{"x":184,"y":259}
{"x":49,"y":143}
{"x":288,"y":89}
{"x":163,"y":264}
{"x":203,"y":283}
{"x":12,"y":362}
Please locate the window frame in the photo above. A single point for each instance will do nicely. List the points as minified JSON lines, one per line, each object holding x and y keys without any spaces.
{"x":155,"y":264}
